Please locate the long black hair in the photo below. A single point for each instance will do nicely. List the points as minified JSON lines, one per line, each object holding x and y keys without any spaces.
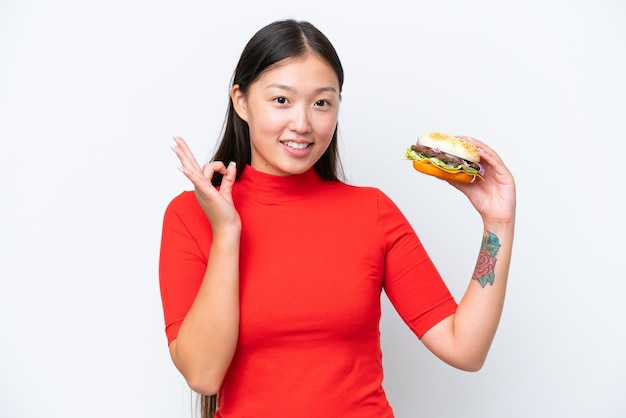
{"x":275,"y":42}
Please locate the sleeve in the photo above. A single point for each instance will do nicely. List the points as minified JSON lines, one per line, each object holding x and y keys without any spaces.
{"x":182,"y":260}
{"x":411,"y":281}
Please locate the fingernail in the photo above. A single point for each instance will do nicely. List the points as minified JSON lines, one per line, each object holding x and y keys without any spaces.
{"x":181,"y":169}
{"x":234,"y":164}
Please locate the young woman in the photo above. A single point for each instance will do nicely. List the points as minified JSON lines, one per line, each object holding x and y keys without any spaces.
{"x":272,"y":268}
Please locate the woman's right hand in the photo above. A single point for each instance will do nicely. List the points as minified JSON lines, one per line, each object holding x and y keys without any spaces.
{"x":216,"y":203}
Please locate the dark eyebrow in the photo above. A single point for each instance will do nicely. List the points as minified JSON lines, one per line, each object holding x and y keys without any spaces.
{"x":285,"y":87}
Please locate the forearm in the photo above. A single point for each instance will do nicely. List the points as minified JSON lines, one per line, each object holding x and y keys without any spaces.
{"x":480,"y":309}
{"x":207,"y":338}
{"x":463,"y":340}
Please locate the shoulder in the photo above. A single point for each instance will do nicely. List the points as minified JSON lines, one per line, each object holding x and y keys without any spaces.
{"x":354,"y":190}
{"x":364,"y":199}
{"x":371,"y":193}
{"x":184,"y":208}
{"x":182,"y":201}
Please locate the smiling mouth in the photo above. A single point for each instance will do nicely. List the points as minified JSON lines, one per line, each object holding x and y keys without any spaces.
{"x":295,"y":145}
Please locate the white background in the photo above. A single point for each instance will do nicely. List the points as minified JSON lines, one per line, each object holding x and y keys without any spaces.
{"x":92,"y":92}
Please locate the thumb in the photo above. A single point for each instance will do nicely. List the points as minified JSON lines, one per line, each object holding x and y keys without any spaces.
{"x":229,"y":178}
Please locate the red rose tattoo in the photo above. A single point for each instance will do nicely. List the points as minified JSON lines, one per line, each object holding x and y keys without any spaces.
{"x":486,"y":264}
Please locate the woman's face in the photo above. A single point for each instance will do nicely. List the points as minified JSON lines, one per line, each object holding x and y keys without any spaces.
{"x":292,"y":111}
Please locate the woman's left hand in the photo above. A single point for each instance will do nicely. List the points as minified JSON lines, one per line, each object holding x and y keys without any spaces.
{"x":494,"y":198}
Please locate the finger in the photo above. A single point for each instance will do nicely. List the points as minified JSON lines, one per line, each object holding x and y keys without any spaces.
{"x":491,"y":160}
{"x":229,"y":178}
{"x":210,"y":168}
{"x":197,"y":178}
{"x":489,"y":154}
{"x":184,"y":154}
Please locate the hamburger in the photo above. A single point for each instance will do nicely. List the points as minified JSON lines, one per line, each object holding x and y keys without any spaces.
{"x":446,"y":157}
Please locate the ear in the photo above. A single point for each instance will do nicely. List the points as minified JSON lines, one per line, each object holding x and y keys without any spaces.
{"x":239,"y":102}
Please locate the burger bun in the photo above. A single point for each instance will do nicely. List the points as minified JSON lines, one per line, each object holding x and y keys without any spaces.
{"x":432,"y":170}
{"x":451,"y":145}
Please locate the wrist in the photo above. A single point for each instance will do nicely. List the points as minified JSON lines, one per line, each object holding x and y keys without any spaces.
{"x":227,"y":237}
{"x":499,"y":227}
{"x":499,"y":222}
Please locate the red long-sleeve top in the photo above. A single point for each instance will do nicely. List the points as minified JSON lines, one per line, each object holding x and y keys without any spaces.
{"x":314,"y":258}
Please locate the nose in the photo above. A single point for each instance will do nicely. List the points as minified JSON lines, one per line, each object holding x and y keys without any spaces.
{"x":300,"y":120}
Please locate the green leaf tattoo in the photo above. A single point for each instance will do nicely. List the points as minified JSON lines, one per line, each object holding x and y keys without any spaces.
{"x":486,"y":264}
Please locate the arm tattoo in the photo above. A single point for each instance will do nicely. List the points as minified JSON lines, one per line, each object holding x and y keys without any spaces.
{"x":486,"y":264}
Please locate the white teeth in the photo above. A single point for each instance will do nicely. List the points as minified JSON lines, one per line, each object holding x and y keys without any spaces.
{"x":296,"y":145}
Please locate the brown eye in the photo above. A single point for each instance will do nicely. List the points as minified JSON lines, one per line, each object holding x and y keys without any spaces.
{"x":281,"y":100}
